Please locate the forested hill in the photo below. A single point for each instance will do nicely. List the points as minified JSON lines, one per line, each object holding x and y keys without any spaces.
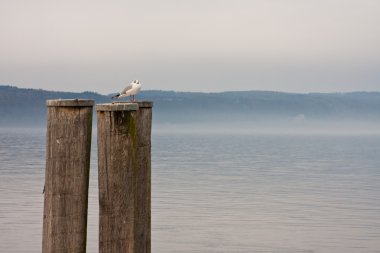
{"x":27,"y":106}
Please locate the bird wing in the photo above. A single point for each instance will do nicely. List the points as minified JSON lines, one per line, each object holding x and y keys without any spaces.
{"x":129,"y":86}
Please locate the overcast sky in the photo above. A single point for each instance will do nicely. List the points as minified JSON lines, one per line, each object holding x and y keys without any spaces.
{"x":191,"y":45}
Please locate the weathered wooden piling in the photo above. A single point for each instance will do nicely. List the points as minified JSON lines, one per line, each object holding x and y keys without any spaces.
{"x":69,"y":126}
{"x":124,"y":165}
{"x":143,"y":178}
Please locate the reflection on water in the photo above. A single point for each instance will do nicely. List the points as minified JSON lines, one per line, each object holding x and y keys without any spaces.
{"x":221,"y":193}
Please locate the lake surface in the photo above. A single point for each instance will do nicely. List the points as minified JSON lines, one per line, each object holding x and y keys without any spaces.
{"x":221,"y":192}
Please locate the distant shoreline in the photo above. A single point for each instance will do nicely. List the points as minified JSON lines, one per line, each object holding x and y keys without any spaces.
{"x":224,"y":110}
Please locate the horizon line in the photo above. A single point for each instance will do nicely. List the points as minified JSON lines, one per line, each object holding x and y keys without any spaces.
{"x":202,"y":92}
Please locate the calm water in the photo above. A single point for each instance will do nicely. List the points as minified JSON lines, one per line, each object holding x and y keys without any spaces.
{"x":222,"y":193}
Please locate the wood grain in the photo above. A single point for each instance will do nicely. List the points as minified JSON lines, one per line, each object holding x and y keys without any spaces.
{"x":68,"y":146}
{"x":124,"y":165}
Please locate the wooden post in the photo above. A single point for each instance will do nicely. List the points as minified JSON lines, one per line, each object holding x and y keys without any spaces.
{"x":143,"y":178}
{"x":124,"y":165}
{"x":69,"y":126}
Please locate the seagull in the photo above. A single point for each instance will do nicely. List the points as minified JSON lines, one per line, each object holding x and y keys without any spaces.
{"x":131,"y":90}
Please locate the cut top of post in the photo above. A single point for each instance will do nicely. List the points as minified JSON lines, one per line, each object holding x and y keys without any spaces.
{"x":124,"y":106}
{"x":70,"y":102}
{"x":145,"y":104}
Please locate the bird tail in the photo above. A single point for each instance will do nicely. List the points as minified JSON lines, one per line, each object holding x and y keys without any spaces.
{"x":116,"y":96}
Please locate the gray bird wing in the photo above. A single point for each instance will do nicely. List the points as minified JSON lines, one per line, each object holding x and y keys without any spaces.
{"x":129,"y":86}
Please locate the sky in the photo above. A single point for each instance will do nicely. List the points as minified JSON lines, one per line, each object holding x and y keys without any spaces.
{"x":191,"y":45}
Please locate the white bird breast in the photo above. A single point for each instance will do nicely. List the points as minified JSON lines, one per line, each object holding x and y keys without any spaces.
{"x":132,"y":91}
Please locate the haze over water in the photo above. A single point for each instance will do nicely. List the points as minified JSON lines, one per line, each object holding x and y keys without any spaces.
{"x":221,"y":192}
